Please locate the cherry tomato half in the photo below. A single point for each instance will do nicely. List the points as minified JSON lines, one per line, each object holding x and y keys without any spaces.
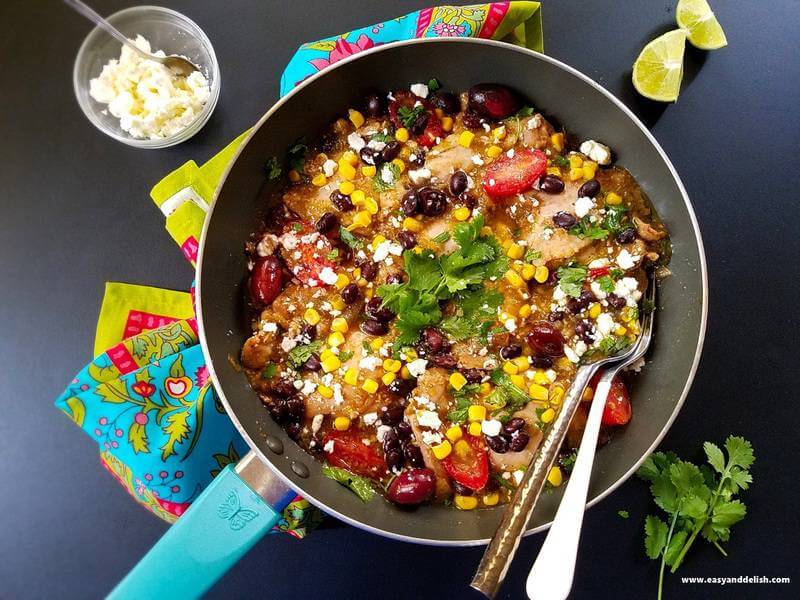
{"x":349,"y":452}
{"x":468,"y":463}
{"x":618,"y":409}
{"x":510,"y":175}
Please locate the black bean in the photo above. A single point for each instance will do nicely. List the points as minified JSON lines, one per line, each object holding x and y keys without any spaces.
{"x":391,"y":415}
{"x":433,"y":202}
{"x":447,"y":101}
{"x":403,"y":430}
{"x":369,"y":270}
{"x":581,"y":303}
{"x":584,"y":330}
{"x":341,"y":201}
{"x":616,"y":301}
{"x":468,"y":200}
{"x":540,"y":361}
{"x":473,"y":120}
{"x":491,"y":485}
{"x":419,"y":124}
{"x":445,"y":361}
{"x":564,"y":220}
{"x":373,"y":327}
{"x":515,"y":424}
{"x":390,"y":441}
{"x":312,"y":364}
{"x":350,"y":293}
{"x":626,"y":236}
{"x":433,"y":340}
{"x":377,"y":311}
{"x":327,"y":222}
{"x":390,"y":151}
{"x":414,"y":456}
{"x":458,"y":183}
{"x":368,"y":155}
{"x":296,"y":408}
{"x":473,"y":375}
{"x":410,"y":203}
{"x":555,"y":315}
{"x":283,"y":389}
{"x":417,"y":158}
{"x":511,"y":351}
{"x":309,"y":332}
{"x":460,"y":489}
{"x":590,"y":189}
{"x":375,"y":105}
{"x":293,"y":430}
{"x":402,"y":387}
{"x":519,"y":441}
{"x":552,"y":184}
{"x":394,"y":459}
{"x":497,"y":443}
{"x":407,"y":239}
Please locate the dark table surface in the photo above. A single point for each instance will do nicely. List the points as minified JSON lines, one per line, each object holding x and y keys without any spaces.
{"x":76,"y":213}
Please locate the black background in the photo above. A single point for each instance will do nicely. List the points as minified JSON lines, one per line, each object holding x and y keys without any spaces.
{"x":76,"y":213}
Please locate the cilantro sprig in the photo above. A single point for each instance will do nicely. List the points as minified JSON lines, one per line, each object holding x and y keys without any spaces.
{"x":699,"y":501}
{"x":408,"y":115}
{"x":298,"y":355}
{"x":571,"y":278}
{"x":360,"y":486}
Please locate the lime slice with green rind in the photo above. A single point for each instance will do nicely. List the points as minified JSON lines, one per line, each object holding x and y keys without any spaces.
{"x":705,"y":32}
{"x":658,"y":71}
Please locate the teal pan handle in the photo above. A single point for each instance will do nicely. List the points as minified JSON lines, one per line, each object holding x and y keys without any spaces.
{"x":219,"y":528}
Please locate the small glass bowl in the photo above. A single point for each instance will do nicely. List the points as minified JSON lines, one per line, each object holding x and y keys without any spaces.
{"x":166,"y":30}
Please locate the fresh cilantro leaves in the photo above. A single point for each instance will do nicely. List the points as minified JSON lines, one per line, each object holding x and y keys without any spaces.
{"x":360,"y":486}
{"x":476,"y":310}
{"x":434,"y":85}
{"x":571,"y":278}
{"x":382,"y":137}
{"x":408,"y":115}
{"x":623,"y":514}
{"x":697,"y":500}
{"x":525,"y":111}
{"x":585,"y":229}
{"x":272,"y":168}
{"x":507,"y":398}
{"x":270,"y":370}
{"x":615,"y":217}
{"x":560,"y":161}
{"x":606,"y":284}
{"x":349,"y":239}
{"x":298,"y":355}
{"x":297,"y":155}
{"x":532,"y":255}
{"x":614,"y":344}
{"x":463,"y":398}
{"x":441,"y":238}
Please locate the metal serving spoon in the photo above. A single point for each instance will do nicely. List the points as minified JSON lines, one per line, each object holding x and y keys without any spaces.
{"x":553,"y":571}
{"x":501,"y":549}
{"x":177,"y":64}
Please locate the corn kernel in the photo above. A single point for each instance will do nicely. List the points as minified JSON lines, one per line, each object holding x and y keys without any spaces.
{"x":556,"y":395}
{"x":620,"y":330}
{"x":377,"y":241}
{"x":547,"y":415}
{"x":405,"y":373}
{"x":335,"y":339}
{"x":361,"y":219}
{"x":491,"y":499}
{"x":589,"y":169}
{"x":358,"y":197}
{"x":499,"y":133}
{"x":346,"y":187}
{"x":351,"y":376}
{"x":541,"y":274}
{"x":401,"y":135}
{"x":454,"y":433}
{"x":356,"y":118}
{"x":412,"y":224}
{"x":331,"y":363}
{"x":494,"y":151}
{"x":319,"y":179}
{"x":510,"y":368}
{"x":462,"y":213}
{"x":522,"y":363}
{"x":595,"y":310}
{"x":457,"y":380}
{"x":370,"y":386}
{"x":518,"y":380}
{"x":351,"y":158}
{"x":476,"y":413}
{"x":376,"y":344}
{"x":341,"y":423}
{"x":442,"y":450}
{"x":575,"y":174}
{"x":514,"y":279}
{"x":557,"y":139}
{"x":294,"y":176}
{"x":369,"y":293}
{"x":575,"y":161}
{"x":540,"y":377}
{"x":369,"y":170}
{"x":311,"y":316}
{"x":554,"y":477}
{"x":405,"y":153}
{"x":438,"y":112}
{"x":554,"y":171}
{"x":371,"y":205}
{"x":392,"y":365}
{"x":527,"y":272}
{"x":447,"y":124}
{"x":485,"y":388}
{"x":515,"y":251}
{"x":613,"y":198}
{"x":337,"y":304}
{"x":401,"y":166}
{"x":462,"y":448}
{"x":325,"y":391}
{"x":475,"y":429}
{"x":346,"y":170}
{"x":465,"y":502}
{"x":588,"y":394}
{"x":465,"y":139}
{"x":388,"y":378}
{"x":537,"y":392}
{"x":525,"y":311}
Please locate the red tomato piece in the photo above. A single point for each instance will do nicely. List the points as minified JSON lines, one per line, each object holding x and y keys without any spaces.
{"x":618,"y":409}
{"x":350,"y":453}
{"x":433,"y":131}
{"x":510,"y":175}
{"x":309,"y":254}
{"x":599,"y":272}
{"x":468,"y":465}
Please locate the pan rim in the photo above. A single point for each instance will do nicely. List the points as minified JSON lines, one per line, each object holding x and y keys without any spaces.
{"x":539,"y":56}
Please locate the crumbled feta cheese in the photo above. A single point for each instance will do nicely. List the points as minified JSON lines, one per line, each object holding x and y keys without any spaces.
{"x":269,"y":327}
{"x":356,"y":142}
{"x":328,"y":447}
{"x":535,"y":121}
{"x":308,"y":387}
{"x":605,"y":323}
{"x":381,"y":431}
{"x":477,"y":160}
{"x":267,"y":245}
{"x":596,"y":290}
{"x":287,"y":343}
{"x":329,"y":167}
{"x":370,"y":363}
{"x":419,"y":175}
{"x":419,"y":89}
{"x":316,"y":422}
{"x":431,"y":438}
{"x":376,"y":145}
{"x":370,"y":418}
{"x":429,"y":419}
{"x":417,"y":367}
{"x":491,"y":428}
{"x":598,"y":263}
{"x":551,"y":375}
{"x":583,"y":205}
{"x":328,"y":276}
{"x":600,"y":153}
{"x":547,"y":233}
{"x":518,"y":475}
{"x":386,"y":175}
{"x":626,"y":260}
{"x":570,"y":354}
{"x":510,"y":324}
{"x":628,"y":288}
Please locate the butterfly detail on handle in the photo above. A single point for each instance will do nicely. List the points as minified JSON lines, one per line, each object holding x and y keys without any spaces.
{"x":232,"y":511}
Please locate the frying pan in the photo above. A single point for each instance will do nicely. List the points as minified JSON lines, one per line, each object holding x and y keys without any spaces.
{"x":235,"y":511}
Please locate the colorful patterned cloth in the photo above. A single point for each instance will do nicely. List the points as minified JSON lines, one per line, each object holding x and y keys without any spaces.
{"x":146,"y":398}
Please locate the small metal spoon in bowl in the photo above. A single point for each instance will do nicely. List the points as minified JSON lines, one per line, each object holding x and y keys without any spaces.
{"x":177,"y":64}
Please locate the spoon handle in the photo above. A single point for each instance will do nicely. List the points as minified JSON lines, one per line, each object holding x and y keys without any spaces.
{"x":554,"y":569}
{"x":90,"y":14}
{"x":500,"y":551}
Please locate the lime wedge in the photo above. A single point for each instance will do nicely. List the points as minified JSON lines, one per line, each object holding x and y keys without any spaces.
{"x":658,"y":71}
{"x":705,"y":32}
